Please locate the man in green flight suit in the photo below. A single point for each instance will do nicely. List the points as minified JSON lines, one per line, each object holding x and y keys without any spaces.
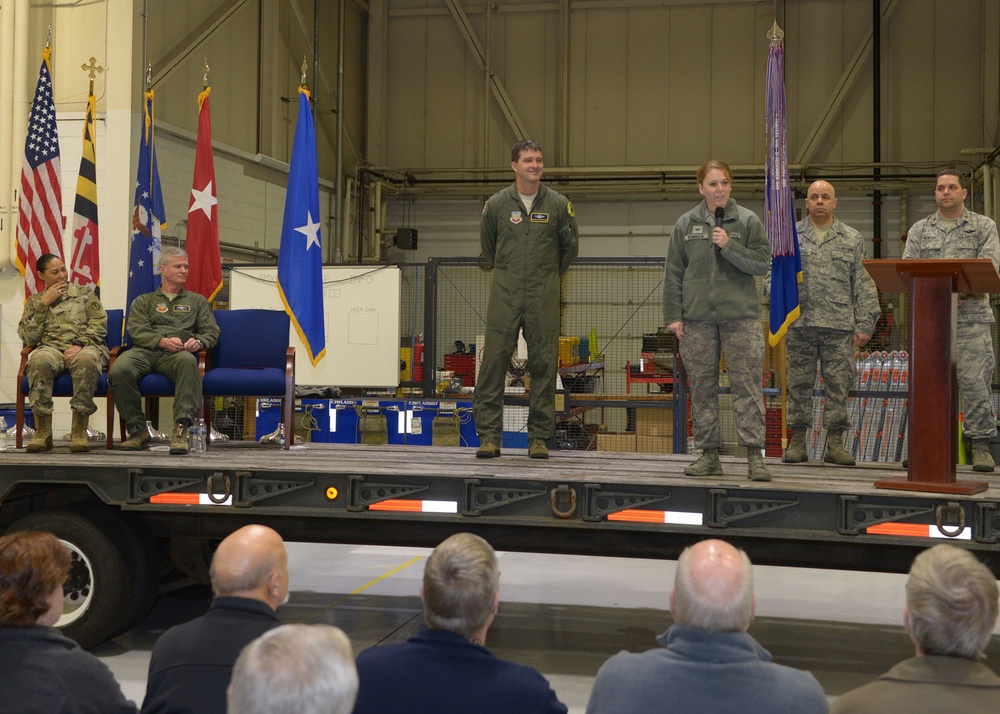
{"x":168,"y":327}
{"x":528,"y":234}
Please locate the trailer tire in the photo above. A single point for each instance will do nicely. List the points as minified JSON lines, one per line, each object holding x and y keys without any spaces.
{"x":101,"y":585}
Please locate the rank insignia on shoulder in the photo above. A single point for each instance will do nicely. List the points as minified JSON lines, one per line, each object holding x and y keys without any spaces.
{"x":162,"y":307}
{"x":539,"y":217}
{"x":569,"y":209}
{"x":516,"y":217}
{"x":182,"y":308}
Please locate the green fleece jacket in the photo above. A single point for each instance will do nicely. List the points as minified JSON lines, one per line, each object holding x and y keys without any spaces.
{"x":700,"y":284}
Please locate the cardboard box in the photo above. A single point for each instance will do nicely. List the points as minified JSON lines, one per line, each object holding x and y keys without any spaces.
{"x":652,"y":421}
{"x":616,"y":442}
{"x":655,"y":444}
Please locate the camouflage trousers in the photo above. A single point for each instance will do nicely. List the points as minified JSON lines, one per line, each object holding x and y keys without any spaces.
{"x":45,"y":364}
{"x":742,"y":341}
{"x":975,"y":375}
{"x":835,"y":351}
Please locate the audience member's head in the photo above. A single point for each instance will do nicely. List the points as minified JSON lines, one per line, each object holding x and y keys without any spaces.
{"x":461,"y":585}
{"x":713,"y":588}
{"x":33,"y":568}
{"x":307,"y":669}
{"x":251,"y":563}
{"x":951,"y":603}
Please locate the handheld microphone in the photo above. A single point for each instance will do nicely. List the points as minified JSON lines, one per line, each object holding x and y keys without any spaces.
{"x":720,"y":213}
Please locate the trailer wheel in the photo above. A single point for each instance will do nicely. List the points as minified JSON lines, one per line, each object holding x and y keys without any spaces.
{"x":100,"y":585}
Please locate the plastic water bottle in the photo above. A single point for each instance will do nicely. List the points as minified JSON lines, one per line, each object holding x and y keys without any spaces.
{"x":196,"y":437}
{"x":202,"y":435}
{"x":3,"y":434}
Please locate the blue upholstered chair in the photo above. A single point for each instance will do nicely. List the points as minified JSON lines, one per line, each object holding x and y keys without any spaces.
{"x":64,"y":384}
{"x":253,"y":359}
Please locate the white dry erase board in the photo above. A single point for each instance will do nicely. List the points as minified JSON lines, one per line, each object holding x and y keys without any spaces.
{"x":362,"y":322}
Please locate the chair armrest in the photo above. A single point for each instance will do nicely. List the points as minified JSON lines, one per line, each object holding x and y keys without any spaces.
{"x":24,"y":361}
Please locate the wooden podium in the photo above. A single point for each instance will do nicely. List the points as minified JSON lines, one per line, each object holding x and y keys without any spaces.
{"x":933,"y":396}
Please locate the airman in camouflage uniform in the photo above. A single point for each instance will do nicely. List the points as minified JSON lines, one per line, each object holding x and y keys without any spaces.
{"x":66,"y":324}
{"x":956,"y":232}
{"x":711,"y":302}
{"x":838,"y":305}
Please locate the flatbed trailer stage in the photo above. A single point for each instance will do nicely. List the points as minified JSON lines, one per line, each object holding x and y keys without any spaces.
{"x":135,"y":520}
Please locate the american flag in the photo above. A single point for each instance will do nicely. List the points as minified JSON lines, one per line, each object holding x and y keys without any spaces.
{"x":39,"y":225}
{"x":148,"y":218}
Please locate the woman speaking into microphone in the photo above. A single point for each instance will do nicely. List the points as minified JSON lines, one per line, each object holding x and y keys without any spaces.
{"x":712,"y":304}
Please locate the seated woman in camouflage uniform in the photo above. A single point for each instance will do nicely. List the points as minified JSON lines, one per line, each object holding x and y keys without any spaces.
{"x":67,"y":326}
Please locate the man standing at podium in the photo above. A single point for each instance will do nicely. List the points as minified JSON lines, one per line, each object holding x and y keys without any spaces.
{"x":955,"y":232}
{"x":839,"y":309}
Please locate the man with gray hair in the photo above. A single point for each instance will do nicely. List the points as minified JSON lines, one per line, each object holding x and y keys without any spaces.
{"x":168,"y":327}
{"x":950,"y":613}
{"x":445,"y":668}
{"x":707,"y":661}
{"x":306,"y":669}
{"x":192,"y":663}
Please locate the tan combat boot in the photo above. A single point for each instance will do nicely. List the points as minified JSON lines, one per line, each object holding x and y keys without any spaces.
{"x":43,"y":435}
{"x":538,"y":450}
{"x":179,"y":442}
{"x":835,"y":453}
{"x":756,"y":470}
{"x":78,"y":437}
{"x":487,"y":450}
{"x":797,"y":453}
{"x":708,"y":464}
{"x":982,"y":456}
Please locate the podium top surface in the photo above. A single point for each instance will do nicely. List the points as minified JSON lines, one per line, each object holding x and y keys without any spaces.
{"x":971,"y":275}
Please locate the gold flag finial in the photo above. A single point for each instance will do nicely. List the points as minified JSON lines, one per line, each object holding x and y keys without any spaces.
{"x":92,"y":69}
{"x":204,"y":77}
{"x":304,"y":68}
{"x":48,"y":38}
{"x":149,"y":75}
{"x":775,"y":34}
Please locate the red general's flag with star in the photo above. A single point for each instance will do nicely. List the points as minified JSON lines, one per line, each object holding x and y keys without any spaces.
{"x":202,"y":246}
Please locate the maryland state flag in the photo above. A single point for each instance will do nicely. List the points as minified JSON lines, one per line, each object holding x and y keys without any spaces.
{"x":85,"y":268}
{"x":202,"y":245}
{"x":786,"y":263}
{"x":300,"y":260}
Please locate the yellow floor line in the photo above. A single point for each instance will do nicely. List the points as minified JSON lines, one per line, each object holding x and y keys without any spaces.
{"x":364,"y":587}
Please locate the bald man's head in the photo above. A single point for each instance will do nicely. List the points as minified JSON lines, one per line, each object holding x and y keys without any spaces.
{"x":252,"y":563}
{"x":713,"y":588}
{"x":821,"y":200}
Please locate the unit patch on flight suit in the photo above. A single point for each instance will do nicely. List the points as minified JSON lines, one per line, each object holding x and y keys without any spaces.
{"x":516,"y":217}
{"x":162,"y":307}
{"x":569,"y":209}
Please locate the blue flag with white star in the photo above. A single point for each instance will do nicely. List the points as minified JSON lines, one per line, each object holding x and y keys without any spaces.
{"x":148,"y":217}
{"x":300,"y":260}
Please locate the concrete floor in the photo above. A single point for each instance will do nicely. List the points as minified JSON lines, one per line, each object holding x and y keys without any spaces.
{"x":565,"y":615}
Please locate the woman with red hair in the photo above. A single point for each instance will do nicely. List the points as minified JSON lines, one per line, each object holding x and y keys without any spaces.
{"x":40,"y":669}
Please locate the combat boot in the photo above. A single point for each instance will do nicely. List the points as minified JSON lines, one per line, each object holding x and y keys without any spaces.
{"x":708,"y":464}
{"x":982,"y":456}
{"x":78,"y":437}
{"x":756,"y":470}
{"x":136,"y":441}
{"x":538,"y":450}
{"x":43,"y":435}
{"x":797,"y":453}
{"x":487,"y":450}
{"x":179,"y":442}
{"x":835,"y":453}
